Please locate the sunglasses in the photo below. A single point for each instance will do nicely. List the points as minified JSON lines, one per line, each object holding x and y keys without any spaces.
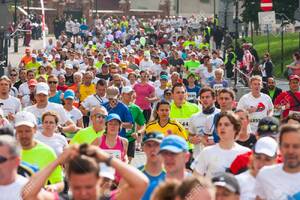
{"x":266,"y":127}
{"x":52,"y":82}
{"x":99,"y":115}
{"x":3,"y":159}
{"x":13,"y":74}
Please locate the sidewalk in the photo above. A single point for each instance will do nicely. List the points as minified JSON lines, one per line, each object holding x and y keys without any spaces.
{"x":14,"y":58}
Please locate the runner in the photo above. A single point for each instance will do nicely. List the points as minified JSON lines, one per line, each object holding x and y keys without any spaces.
{"x":258,"y":104}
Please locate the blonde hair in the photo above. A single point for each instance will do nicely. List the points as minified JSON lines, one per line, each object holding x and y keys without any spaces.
{"x":256,"y":77}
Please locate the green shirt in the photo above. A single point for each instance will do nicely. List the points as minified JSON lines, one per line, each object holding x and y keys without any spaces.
{"x":192,"y":65}
{"x":271,"y":93}
{"x":99,"y":64}
{"x":41,"y":156}
{"x":138,"y":118}
{"x":33,"y":66}
{"x":86,"y":135}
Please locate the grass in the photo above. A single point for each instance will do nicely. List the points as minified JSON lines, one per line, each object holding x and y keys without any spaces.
{"x":291,"y":44}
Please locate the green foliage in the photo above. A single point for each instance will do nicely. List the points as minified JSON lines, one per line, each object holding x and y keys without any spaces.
{"x":291,"y":44}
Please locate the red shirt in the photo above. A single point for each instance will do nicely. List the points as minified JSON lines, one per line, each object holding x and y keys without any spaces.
{"x":285,"y":98}
{"x":62,"y":88}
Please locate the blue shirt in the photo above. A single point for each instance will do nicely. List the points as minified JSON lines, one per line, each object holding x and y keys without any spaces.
{"x":122,"y":110}
{"x":215,"y":133}
{"x":154,"y":181}
{"x":193,"y":93}
{"x":56,"y":98}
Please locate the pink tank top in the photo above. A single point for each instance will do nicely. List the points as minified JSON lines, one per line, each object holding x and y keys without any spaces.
{"x":117,"y":151}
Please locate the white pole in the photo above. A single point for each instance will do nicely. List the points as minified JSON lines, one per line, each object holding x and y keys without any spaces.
{"x":43,"y":23}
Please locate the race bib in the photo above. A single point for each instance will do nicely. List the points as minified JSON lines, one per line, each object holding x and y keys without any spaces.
{"x":218,"y":86}
{"x":192,"y":96}
{"x":114,"y":153}
{"x":184,"y":122}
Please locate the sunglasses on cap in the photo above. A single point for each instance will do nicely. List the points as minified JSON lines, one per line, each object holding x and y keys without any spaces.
{"x":99,"y":115}
{"x":264,"y":128}
{"x":4,"y":159}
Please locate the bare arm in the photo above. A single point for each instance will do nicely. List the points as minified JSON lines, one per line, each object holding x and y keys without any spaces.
{"x":69,"y":127}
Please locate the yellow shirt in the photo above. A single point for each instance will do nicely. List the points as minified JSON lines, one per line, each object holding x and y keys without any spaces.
{"x":86,"y":91}
{"x":172,"y":127}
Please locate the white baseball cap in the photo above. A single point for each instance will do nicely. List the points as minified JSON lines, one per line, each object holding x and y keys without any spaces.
{"x":25,"y":118}
{"x":57,"y":56}
{"x":69,"y":66}
{"x":266,"y":145}
{"x":107,"y":172}
{"x":42,"y":88}
{"x":127,"y":89}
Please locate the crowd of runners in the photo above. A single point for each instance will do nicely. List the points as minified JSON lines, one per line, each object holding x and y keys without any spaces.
{"x":74,"y":114}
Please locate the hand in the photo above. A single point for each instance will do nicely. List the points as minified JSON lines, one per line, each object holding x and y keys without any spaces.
{"x":134,"y":135}
{"x":94,"y":151}
{"x":51,"y":188}
{"x":68,"y":153}
{"x":147,"y":98}
{"x":286,"y":106}
{"x":252,"y":109}
{"x":11,"y":117}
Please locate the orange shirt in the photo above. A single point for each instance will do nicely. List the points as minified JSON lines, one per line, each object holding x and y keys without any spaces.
{"x":26,"y":59}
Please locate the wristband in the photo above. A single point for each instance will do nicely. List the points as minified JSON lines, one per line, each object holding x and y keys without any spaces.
{"x":108,"y":161}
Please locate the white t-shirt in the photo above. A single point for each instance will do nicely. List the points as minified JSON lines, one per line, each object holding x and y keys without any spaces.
{"x":216,"y":63}
{"x":213,"y":159}
{"x":74,"y":114}
{"x":201,"y":124}
{"x":10,"y":105}
{"x":24,"y":89}
{"x":146,"y":65}
{"x":263,"y":104}
{"x":93,"y":101}
{"x":247,"y":185}
{"x":13,"y":190}
{"x":38,"y":112}
{"x":57,"y":142}
{"x":57,"y":72}
{"x":272,"y":183}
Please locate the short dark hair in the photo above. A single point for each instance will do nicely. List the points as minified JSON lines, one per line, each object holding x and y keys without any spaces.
{"x":190,"y":184}
{"x":82,"y":164}
{"x":293,"y":116}
{"x":207,"y":89}
{"x":227,"y":90}
{"x":287,"y":129}
{"x":101,"y":82}
{"x":236,"y":122}
{"x":177,"y":85}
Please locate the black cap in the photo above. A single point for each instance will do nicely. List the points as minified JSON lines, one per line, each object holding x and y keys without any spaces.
{"x":227,"y":181}
{"x":268,"y":126}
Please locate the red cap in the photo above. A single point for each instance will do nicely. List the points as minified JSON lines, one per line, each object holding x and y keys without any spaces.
{"x":292,"y":77}
{"x":164,"y":61}
{"x":27,"y":50}
{"x":32,"y":82}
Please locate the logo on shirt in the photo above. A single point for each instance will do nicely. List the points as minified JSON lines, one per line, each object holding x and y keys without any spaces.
{"x":260,"y":107}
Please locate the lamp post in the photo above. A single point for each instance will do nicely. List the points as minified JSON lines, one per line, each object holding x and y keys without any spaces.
{"x":16,"y":37}
{"x":236,"y":36}
{"x":177,"y":7}
{"x":28,"y":2}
